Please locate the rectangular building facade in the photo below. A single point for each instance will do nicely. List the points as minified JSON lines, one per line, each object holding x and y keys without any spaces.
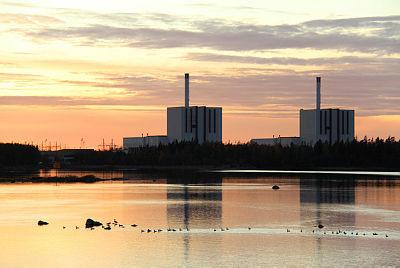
{"x":195,"y":123}
{"x":327,"y":125}
{"x":283,"y":141}
{"x":136,"y":142}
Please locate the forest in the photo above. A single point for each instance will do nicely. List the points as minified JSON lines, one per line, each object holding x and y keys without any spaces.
{"x":363,"y":154}
{"x":14,"y":154}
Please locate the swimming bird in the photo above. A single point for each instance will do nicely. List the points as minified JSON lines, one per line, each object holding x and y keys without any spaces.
{"x":386,"y":235}
{"x":249,"y":228}
{"x":148,"y":230}
{"x":357,"y":233}
{"x":227,"y":228}
{"x":173,"y":230}
{"x":344,"y":233}
{"x":155,"y":231}
{"x":301,"y":230}
{"x":312,"y":231}
{"x":374,"y":234}
{"x":215,"y":230}
{"x":63,"y":227}
{"x":320,"y":226}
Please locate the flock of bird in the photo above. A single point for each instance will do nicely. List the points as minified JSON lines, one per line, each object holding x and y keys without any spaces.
{"x":116,"y":224}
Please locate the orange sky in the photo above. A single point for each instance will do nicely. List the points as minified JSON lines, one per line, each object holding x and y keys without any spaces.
{"x":73,"y":70}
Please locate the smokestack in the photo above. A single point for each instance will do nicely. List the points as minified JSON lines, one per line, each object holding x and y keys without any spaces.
{"x":318,"y":93}
{"x":186,"y":90}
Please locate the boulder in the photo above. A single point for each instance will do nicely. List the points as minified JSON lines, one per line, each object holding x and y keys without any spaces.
{"x":91,"y":223}
{"x":40,"y":223}
{"x":275,"y":187}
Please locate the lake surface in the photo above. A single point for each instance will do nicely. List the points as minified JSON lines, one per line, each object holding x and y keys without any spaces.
{"x":355,"y":204}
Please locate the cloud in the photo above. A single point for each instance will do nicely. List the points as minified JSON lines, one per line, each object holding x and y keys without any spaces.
{"x":384,"y":35}
{"x":214,"y":57}
{"x":15,"y":18}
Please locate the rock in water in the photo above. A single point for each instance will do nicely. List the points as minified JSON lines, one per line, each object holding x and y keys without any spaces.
{"x":275,"y":187}
{"x":91,"y":223}
{"x":320,"y":226}
{"x":40,"y":223}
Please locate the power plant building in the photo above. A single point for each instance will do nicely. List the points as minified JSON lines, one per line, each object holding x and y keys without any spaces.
{"x":185,"y":123}
{"x":194,"y":123}
{"x":326,"y":125}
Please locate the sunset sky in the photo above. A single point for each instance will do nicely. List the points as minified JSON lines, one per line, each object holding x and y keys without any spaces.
{"x":107,"y":69}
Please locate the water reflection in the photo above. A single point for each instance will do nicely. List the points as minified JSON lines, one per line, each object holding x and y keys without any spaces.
{"x":191,"y":204}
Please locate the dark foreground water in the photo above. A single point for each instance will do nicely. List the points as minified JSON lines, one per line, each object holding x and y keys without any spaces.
{"x":357,"y":206}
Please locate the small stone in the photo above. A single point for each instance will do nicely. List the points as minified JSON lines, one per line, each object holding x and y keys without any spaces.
{"x":40,"y":223}
{"x":91,"y":223}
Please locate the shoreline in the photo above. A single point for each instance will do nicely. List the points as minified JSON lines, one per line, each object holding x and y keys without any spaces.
{"x":193,"y":173}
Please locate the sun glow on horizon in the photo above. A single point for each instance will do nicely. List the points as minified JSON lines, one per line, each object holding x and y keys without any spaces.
{"x":121,"y":64}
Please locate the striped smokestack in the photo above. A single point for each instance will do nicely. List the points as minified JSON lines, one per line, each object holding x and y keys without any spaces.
{"x":186,"y":90}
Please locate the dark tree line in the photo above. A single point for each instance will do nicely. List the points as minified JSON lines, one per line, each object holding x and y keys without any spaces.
{"x":13,"y":154}
{"x":364,"y":154}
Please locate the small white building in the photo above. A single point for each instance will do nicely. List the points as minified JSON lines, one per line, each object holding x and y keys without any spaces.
{"x":283,"y":141}
{"x":137,"y":142}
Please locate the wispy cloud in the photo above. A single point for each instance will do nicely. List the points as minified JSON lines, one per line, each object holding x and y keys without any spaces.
{"x":343,"y":34}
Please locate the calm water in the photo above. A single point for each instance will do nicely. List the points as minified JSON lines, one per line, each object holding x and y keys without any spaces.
{"x":351,"y":204}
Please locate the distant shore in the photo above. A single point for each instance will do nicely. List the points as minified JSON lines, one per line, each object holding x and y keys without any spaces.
{"x":191,"y":173}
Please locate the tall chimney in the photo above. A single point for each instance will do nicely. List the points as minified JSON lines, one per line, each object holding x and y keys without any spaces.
{"x":186,"y":90}
{"x":318,"y":93}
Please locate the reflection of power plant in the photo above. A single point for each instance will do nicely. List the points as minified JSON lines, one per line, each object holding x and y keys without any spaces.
{"x":188,"y":204}
{"x":317,"y":192}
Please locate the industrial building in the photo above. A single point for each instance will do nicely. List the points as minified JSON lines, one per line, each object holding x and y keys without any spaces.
{"x":327,"y":125}
{"x":194,"y":123}
{"x":185,"y":123}
{"x":144,"y":141}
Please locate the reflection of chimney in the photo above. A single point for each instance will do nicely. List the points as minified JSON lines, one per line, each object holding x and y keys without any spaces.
{"x":187,"y":90}
{"x":317,"y":110}
{"x":318,"y":93}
